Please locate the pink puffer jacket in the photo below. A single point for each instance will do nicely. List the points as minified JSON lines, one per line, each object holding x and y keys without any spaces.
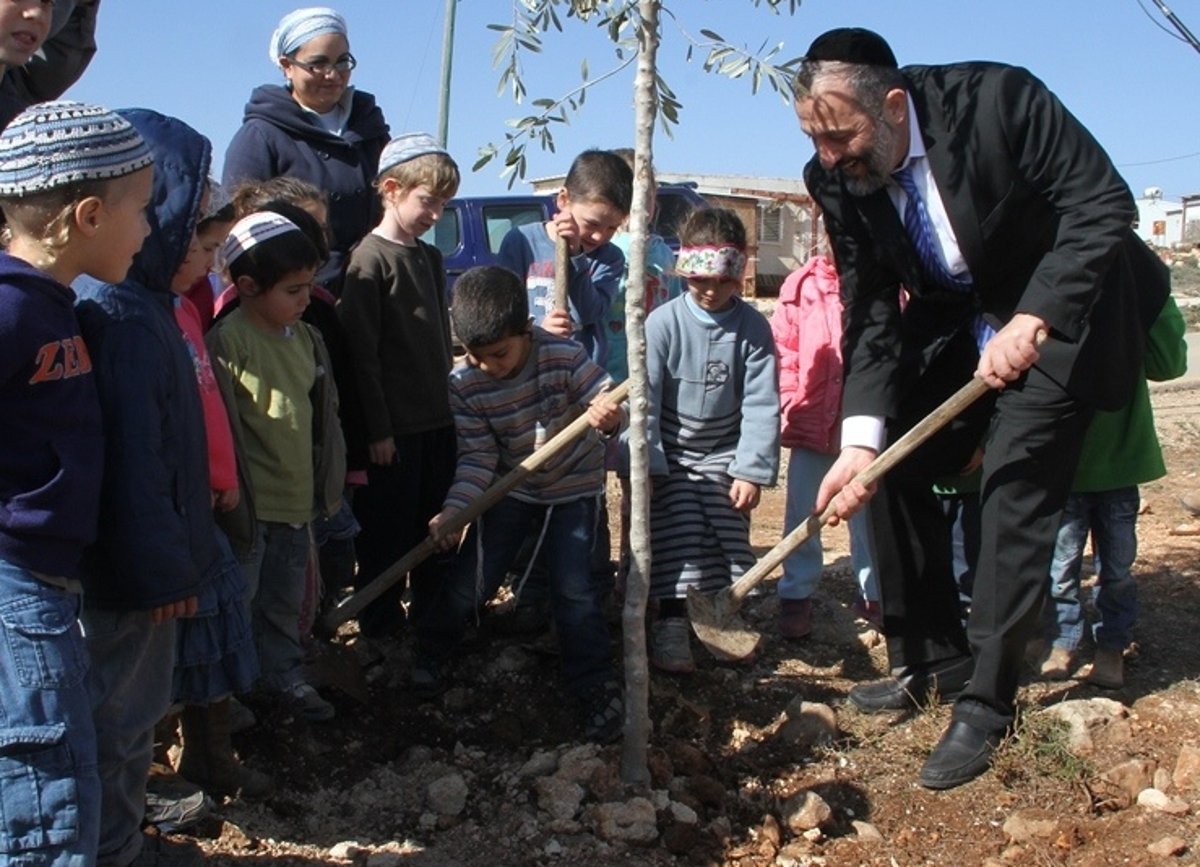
{"x":807,"y":325}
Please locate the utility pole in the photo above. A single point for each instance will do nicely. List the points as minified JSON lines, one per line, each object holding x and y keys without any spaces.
{"x":1178,"y":25}
{"x":447,"y":64}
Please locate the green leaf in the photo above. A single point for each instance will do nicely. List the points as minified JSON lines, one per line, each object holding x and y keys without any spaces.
{"x":711,"y":34}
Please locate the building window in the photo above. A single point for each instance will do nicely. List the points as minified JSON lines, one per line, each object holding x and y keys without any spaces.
{"x":770,"y":223}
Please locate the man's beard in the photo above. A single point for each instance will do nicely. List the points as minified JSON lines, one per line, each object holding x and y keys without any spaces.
{"x":877,"y":161}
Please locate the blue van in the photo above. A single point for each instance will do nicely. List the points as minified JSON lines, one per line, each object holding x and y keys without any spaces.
{"x":471,"y":228}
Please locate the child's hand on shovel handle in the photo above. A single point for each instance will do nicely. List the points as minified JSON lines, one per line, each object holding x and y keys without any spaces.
{"x":848,"y":496}
{"x":558,"y":322}
{"x":604,"y":415}
{"x":444,"y":538}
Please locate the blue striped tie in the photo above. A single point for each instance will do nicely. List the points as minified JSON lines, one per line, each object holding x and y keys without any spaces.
{"x":920,"y":231}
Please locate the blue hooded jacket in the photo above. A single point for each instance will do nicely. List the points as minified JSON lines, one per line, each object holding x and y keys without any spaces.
{"x":278,"y":137}
{"x":156,"y":542}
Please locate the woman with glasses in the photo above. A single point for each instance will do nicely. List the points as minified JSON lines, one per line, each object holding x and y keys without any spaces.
{"x":315,"y":127}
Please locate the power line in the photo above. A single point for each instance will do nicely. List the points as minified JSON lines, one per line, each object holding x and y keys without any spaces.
{"x":1178,"y":25}
{"x":1157,"y":162}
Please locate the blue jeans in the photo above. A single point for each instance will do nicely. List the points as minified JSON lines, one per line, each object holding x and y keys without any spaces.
{"x":275,"y":575}
{"x":130,"y":688}
{"x":1111,"y":518}
{"x":802,"y":569}
{"x":575,"y":591}
{"x":49,"y":784}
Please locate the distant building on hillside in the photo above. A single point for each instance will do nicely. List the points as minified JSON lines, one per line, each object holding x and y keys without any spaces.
{"x":781,"y":223}
{"x":1160,"y":221}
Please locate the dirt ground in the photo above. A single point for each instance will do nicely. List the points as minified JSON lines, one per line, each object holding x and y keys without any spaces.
{"x":462,"y":780}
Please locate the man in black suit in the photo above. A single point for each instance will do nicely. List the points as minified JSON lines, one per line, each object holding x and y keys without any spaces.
{"x":1004,"y":221}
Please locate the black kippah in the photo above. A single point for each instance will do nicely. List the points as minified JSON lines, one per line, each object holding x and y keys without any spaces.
{"x":852,"y":45}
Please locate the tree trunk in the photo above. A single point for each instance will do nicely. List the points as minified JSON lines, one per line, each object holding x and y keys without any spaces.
{"x":634,"y":767}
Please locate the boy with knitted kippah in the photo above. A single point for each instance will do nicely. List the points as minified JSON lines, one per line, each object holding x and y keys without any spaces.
{"x":393,"y":310}
{"x":74,"y":180}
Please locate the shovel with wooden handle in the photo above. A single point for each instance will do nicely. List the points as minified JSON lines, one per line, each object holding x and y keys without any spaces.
{"x":351,"y":606}
{"x":715,"y":618}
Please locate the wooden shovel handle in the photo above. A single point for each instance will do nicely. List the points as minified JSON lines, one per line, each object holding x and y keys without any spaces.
{"x":562,"y":268}
{"x":494,"y":494}
{"x":871,"y":473}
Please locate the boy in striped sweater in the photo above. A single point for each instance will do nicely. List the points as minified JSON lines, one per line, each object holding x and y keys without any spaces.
{"x":520,"y":387}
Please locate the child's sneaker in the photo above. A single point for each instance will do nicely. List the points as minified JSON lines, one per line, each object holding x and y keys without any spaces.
{"x":604,"y":714}
{"x":671,"y":645}
{"x":308,"y":702}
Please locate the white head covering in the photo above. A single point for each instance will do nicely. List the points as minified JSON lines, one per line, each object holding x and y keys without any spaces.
{"x":297,"y":28}
{"x":251,"y":230}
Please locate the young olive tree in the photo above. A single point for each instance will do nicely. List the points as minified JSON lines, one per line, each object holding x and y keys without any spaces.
{"x":634,"y":26}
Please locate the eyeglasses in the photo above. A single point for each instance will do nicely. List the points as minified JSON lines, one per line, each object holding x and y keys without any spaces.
{"x":324,"y":67}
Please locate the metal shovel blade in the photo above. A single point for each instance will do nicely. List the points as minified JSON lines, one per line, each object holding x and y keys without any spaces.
{"x":718,"y":626}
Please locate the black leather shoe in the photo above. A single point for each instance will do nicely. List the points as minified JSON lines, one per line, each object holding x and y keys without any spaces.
{"x":963,"y":753}
{"x":913,"y":686}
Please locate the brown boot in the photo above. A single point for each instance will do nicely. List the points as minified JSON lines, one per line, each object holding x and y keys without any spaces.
{"x":208,"y":759}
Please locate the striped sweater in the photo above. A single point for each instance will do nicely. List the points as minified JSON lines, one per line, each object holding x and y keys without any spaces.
{"x":714,"y":402}
{"x":501,"y":422}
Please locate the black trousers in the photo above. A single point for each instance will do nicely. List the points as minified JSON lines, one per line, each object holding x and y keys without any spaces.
{"x":394,"y":510}
{"x":1031,"y":434}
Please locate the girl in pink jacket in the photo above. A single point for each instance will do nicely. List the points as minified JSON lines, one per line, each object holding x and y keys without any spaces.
{"x":807,"y":326}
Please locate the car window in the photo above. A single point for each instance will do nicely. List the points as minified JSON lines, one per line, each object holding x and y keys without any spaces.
{"x":499,"y":219}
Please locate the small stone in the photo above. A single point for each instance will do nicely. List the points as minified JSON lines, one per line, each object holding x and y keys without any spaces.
{"x":578,"y":764}
{"x":1168,"y":847}
{"x":347,"y":850}
{"x":683,"y":813}
{"x":804,"y":811}
{"x":1153,"y":799}
{"x":770,"y":830}
{"x":1187,"y":768}
{"x":632,"y":822}
{"x":1162,"y":779}
{"x":447,"y":796}
{"x":540,"y":764}
{"x":1030,"y":824}
{"x":1129,"y":778}
{"x":416,"y":756}
{"x":235,"y":836}
{"x":720,"y":828}
{"x":1090,"y":719}
{"x":427,"y":821}
{"x":813,"y":835}
{"x":560,"y":798}
{"x":866,"y":832}
{"x":553,"y":848}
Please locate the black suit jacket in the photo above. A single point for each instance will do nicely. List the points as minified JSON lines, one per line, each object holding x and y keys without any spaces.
{"x":1045,"y":225}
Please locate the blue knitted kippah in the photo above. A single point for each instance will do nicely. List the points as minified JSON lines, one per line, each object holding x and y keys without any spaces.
{"x":407,"y":147}
{"x":56,"y":144}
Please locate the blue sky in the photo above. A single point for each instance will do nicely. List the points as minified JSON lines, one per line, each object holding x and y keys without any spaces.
{"x":1129,"y":81}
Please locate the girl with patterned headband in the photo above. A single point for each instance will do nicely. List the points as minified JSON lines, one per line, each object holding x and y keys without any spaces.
{"x":713,"y":427}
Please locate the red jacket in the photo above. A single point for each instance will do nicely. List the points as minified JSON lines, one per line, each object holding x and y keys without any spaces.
{"x":807,"y":326}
